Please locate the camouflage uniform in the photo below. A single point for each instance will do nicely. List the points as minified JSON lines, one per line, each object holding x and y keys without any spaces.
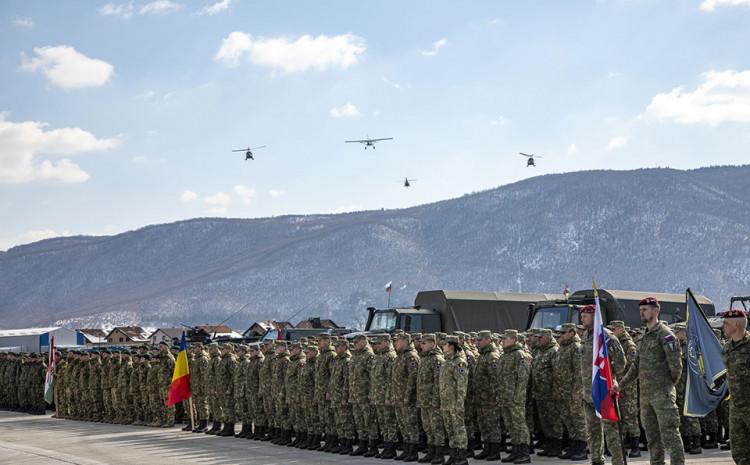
{"x":155,"y":407}
{"x":280,"y":407}
{"x":241,"y":401}
{"x":569,"y":389}
{"x":307,"y":398}
{"x":293,"y":388}
{"x":253,"y":393}
{"x":339,"y":389}
{"x":136,"y":386}
{"x":365,"y":418}
{"x":403,"y":392}
{"x":199,"y":368}
{"x":95,"y":389}
{"x":487,"y":393}
{"x":225,"y":387}
{"x":428,"y":394}
{"x":266,"y":385}
{"x":595,"y":425}
{"x":125,"y":405}
{"x":323,"y":368}
{"x":107,"y":382}
{"x":657,"y":368}
{"x":166,"y":370}
{"x":380,"y":392}
{"x":453,"y":382}
{"x":737,"y":360}
{"x":514,"y":376}
{"x":546,"y":394}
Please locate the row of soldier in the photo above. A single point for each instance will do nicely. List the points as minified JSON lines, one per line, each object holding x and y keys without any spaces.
{"x":412,"y":392}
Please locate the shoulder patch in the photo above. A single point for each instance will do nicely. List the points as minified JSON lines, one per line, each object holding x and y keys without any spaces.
{"x":670,"y":342}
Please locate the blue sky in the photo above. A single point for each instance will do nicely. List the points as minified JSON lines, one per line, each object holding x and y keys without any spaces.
{"x":118,"y":115}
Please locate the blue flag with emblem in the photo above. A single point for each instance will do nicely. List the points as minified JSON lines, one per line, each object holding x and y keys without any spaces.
{"x":706,"y":382}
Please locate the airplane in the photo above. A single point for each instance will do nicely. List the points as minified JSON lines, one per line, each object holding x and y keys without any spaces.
{"x":407,"y":182}
{"x":530,"y":161}
{"x":249,"y":151}
{"x":368,"y":142}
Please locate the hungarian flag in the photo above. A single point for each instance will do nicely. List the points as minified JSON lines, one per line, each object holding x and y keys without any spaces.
{"x":49,"y":380}
{"x":180,"y":388}
{"x":601,"y":375}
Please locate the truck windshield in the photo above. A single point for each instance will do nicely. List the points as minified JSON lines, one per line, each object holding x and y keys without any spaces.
{"x":383,"y":321}
{"x":550,"y":317}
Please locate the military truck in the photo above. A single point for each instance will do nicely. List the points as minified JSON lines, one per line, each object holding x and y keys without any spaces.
{"x":615,"y":305}
{"x":448,"y":311}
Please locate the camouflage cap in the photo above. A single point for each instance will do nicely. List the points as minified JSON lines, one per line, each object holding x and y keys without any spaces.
{"x":568,"y":327}
{"x":617,"y":324}
{"x":451,"y":338}
{"x":460,"y":334}
{"x":416,"y":336}
{"x":324,"y":336}
{"x":484,"y":334}
{"x":680,"y":326}
{"x":429,"y":337}
{"x":296,"y":345}
{"x":311,"y":348}
{"x":510,"y":333}
{"x":545,"y":332}
{"x":473,"y":334}
{"x":403,"y":336}
{"x":341,"y":343}
{"x":440,"y":335}
{"x":359,"y":337}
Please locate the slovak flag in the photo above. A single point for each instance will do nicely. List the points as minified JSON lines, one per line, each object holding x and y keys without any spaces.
{"x":601,"y":375}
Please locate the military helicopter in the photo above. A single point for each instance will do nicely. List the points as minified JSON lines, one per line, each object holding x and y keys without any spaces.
{"x":530,"y":161}
{"x":407,"y":182}
{"x":368,"y":142}
{"x":249,"y":151}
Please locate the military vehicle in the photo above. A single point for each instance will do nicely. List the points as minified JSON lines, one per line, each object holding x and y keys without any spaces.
{"x":448,"y":311}
{"x":615,"y":305}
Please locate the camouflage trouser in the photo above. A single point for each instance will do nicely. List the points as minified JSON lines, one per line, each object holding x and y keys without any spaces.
{"x":709,"y":423}
{"x":408,"y":423}
{"x":270,"y":411}
{"x":739,"y":433}
{"x":241,"y":412}
{"x":470,"y":418}
{"x":629,"y":411}
{"x":595,"y":439}
{"x":258,"y":413}
{"x":455,"y":428}
{"x":661,"y":422}
{"x":154,"y":407}
{"x":200,"y":404}
{"x":432,"y":423}
{"x":214,"y":406}
{"x":297,"y":417}
{"x":366,"y":421}
{"x":488,"y":417}
{"x":387,"y":422}
{"x":571,"y":413}
{"x":125,"y":410}
{"x":689,"y":426}
{"x":166,"y":414}
{"x":107,"y":403}
{"x":281,"y":413}
{"x":549,"y":419}
{"x":344,"y":419}
{"x":530,"y":412}
{"x":515,"y":420}
{"x":312,"y":421}
{"x":325,"y":414}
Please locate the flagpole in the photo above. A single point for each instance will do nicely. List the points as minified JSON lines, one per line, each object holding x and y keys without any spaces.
{"x":192,"y":413}
{"x":616,"y":400}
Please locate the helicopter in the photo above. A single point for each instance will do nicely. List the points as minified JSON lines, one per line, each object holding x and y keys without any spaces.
{"x":407,"y":182}
{"x":249,"y":151}
{"x":530,"y":161}
{"x":368,"y":142}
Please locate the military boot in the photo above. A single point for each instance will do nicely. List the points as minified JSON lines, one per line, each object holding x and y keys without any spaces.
{"x":694,"y":445}
{"x":202,"y":426}
{"x":513,"y":454}
{"x":187,"y":427}
{"x":523,"y":454}
{"x":494,"y":452}
{"x":429,"y":456}
{"x":227,"y":431}
{"x":313,"y":443}
{"x":635,"y":448}
{"x":332,"y":444}
{"x":711,"y":442}
{"x":555,"y":446}
{"x":579,"y":451}
{"x":439,"y":458}
{"x":285,"y":437}
{"x":404,"y":452}
{"x":460,"y":457}
{"x":411,"y":453}
{"x":485,"y":451}
{"x":372,"y":449}
{"x":216,"y":427}
{"x":360,"y":450}
{"x":346,"y":447}
{"x":336,"y":445}
{"x":452,"y":455}
{"x":242,"y":432}
{"x":300,"y":440}
{"x":389,"y":451}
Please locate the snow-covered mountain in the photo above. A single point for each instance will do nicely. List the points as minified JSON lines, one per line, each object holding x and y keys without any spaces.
{"x":648,"y":229}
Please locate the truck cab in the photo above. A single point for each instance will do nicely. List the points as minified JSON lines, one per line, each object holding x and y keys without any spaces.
{"x":409,"y":319}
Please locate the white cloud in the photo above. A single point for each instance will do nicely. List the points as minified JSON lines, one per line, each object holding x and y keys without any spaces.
{"x":724,"y":96}
{"x":276,"y":193}
{"x":572,"y":149}
{"x":246,"y":194}
{"x":292,"y":55}
{"x":616,"y":143}
{"x":188,"y":196}
{"x":23,"y":22}
{"x":347,"y":209}
{"x":215,"y":8}
{"x":21,"y":143}
{"x":436,"y":46}
{"x":218,"y":203}
{"x":710,"y":5}
{"x":122,"y":10}
{"x":345,"y":111}
{"x":28,"y":237}
{"x":159,"y":7}
{"x":64,"y":67}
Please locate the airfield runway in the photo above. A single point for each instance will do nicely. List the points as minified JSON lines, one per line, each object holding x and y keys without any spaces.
{"x":42,"y":440}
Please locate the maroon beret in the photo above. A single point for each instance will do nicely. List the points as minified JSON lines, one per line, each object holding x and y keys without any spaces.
{"x":653,"y":301}
{"x":588,"y":309}
{"x":733,"y":313}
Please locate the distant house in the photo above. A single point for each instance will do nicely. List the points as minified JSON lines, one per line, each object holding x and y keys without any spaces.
{"x":259,"y":328}
{"x":127,"y":335}
{"x":93,"y":336}
{"x":38,"y":339}
{"x":219,"y":331}
{"x":168,"y":335}
{"x":317,"y":323}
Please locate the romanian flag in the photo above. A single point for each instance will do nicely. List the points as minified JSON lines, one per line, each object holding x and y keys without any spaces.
{"x":180,"y":389}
